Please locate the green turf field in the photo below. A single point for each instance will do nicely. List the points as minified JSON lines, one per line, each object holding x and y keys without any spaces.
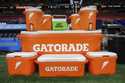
{"x":88,"y":78}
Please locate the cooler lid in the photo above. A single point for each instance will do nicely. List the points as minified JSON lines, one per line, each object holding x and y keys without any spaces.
{"x":101,"y":54}
{"x":59,"y":19}
{"x":60,"y":32}
{"x":33,"y":9}
{"x":47,"y":15}
{"x":75,"y":15}
{"x":91,"y":8}
{"x":21,"y":54}
{"x":61,"y":57}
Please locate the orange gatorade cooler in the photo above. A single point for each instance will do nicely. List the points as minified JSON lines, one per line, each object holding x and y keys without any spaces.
{"x":34,"y":17}
{"x":61,"y":65}
{"x":74,"y":41}
{"x":46,"y":23}
{"x":102,"y":63}
{"x":21,"y":63}
{"x":75,"y":22}
{"x":88,"y":17}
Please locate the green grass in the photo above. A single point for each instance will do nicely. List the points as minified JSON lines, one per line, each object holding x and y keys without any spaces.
{"x":88,"y":78}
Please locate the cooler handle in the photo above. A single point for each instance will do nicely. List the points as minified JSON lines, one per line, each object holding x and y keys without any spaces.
{"x":36,"y":61}
{"x":105,"y":56}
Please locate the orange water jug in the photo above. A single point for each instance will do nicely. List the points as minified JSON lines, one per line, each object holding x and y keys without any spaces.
{"x":88,"y":17}
{"x":34,"y":17}
{"x":75,"y":22}
{"x":46,"y":23}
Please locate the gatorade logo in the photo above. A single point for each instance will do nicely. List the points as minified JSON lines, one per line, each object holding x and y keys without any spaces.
{"x":90,"y":15}
{"x":31,"y":15}
{"x":61,"y":68}
{"x":18,"y":64}
{"x":104,"y":64}
{"x":44,"y":21}
{"x":77,"y":21}
{"x":61,"y":47}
